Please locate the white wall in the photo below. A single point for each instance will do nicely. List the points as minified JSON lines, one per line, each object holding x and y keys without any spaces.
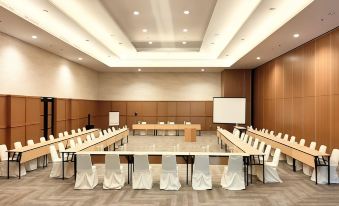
{"x":159,"y":86}
{"x":31,"y":71}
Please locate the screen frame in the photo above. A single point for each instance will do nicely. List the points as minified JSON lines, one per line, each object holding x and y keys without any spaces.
{"x":228,"y":98}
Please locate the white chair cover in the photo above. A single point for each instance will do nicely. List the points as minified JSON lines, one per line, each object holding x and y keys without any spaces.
{"x":56,"y":171}
{"x":60,"y":135}
{"x":86,"y":177}
{"x":236,"y":133}
{"x":79,"y":141}
{"x":73,"y":132}
{"x":271,"y":173}
{"x":322,"y":171}
{"x":169,"y":178}
{"x":250,"y":141}
{"x":143,"y":132}
{"x":72,"y":143}
{"x":84,"y":129}
{"x":13,"y":166}
{"x":41,"y":160}
{"x":298,"y":164}
{"x":261,"y":147}
{"x":245,"y":138}
{"x":233,"y":177}
{"x":51,"y":137}
{"x":88,"y":138}
{"x":32,"y":164}
{"x":92,"y":136}
{"x":65,"y":133}
{"x":307,"y":169}
{"x":242,"y":136}
{"x":278,"y":135}
{"x":161,"y":132}
{"x":201,"y":179}
{"x":288,"y":158}
{"x":171,"y":132}
{"x":255,"y":144}
{"x":61,"y":148}
{"x":282,"y":156}
{"x":105,"y":132}
{"x":79,"y":130}
{"x":114,"y":177}
{"x":142,"y":176}
{"x":272,"y":132}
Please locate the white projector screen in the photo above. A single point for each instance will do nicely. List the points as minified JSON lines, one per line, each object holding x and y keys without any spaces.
{"x":113,"y":118}
{"x":229,"y":110}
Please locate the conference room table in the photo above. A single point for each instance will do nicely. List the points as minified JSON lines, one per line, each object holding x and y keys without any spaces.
{"x":156,"y":127}
{"x":99,"y":143}
{"x":304,"y":154}
{"x":30,"y":152}
{"x":233,"y":143}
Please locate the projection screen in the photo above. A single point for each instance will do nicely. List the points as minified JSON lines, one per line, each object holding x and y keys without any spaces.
{"x":229,"y":110}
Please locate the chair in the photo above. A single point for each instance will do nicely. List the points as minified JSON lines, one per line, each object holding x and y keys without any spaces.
{"x":272,"y":132}
{"x":250,"y":141}
{"x":51,"y":137}
{"x":169,"y":178}
{"x":201,"y":179}
{"x":61,"y":148}
{"x":79,"y":130}
{"x":322,"y":171}
{"x":322,"y":149}
{"x":84,"y":129}
{"x":41,"y":160}
{"x":261,"y":147}
{"x":60,"y":135}
{"x":105,"y":132}
{"x":142,"y":176}
{"x":255,"y":144}
{"x":109,"y":130}
{"x":233,"y":177}
{"x":245,"y":138}
{"x":88,"y":138}
{"x":65,"y":133}
{"x":298,"y":164}
{"x":236,"y":133}
{"x":143,"y":132}
{"x":283,"y":156}
{"x":187,"y":122}
{"x":92,"y":136}
{"x":278,"y":135}
{"x":86,"y":177}
{"x":79,"y":140}
{"x":161,"y":132}
{"x":42,"y":139}
{"x":13,"y":167}
{"x":114,"y":177}
{"x":72,"y":143}
{"x":271,"y":173}
{"x":171,"y":132}
{"x":307,"y":169}
{"x":73,"y":132}
{"x":56,"y":171}
{"x":242,"y":136}
{"x":32,"y":164}
{"x":288,"y":158}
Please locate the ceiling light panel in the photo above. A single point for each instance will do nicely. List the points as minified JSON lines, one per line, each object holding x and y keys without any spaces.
{"x":262,"y":24}
{"x":57,"y":24}
{"x":94,"y":18}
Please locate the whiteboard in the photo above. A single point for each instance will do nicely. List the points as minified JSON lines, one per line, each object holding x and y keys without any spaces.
{"x":229,"y":110}
{"x":113,"y":118}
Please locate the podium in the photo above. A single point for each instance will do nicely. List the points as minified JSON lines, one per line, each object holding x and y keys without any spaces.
{"x":190,"y":135}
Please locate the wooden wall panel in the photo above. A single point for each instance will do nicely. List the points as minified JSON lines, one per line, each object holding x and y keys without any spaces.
{"x":162,"y":109}
{"x":172,"y":109}
{"x":33,"y":133}
{"x":120,"y":107}
{"x":149,"y":109}
{"x":134,"y":108}
{"x":209,"y":109}
{"x":17,"y":111}
{"x":198,"y":109}
{"x":32,"y":110}
{"x":17,"y":134}
{"x":199,"y":120}
{"x":181,"y":120}
{"x":183,"y":109}
{"x":309,"y":78}
{"x":3,"y":136}
{"x":3,"y":112}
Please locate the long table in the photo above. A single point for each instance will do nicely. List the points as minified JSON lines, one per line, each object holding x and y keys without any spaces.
{"x":227,"y":138}
{"x":187,"y":156}
{"x":156,"y":127}
{"x":303,"y":154}
{"x":94,"y":145}
{"x":30,"y":152}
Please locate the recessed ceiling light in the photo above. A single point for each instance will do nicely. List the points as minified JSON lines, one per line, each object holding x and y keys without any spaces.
{"x":144,"y":30}
{"x":186,"y":12}
{"x":121,"y":43}
{"x":87,"y":40}
{"x":34,"y":37}
{"x":227,"y":55}
{"x":139,"y":70}
{"x":212,"y":43}
{"x":136,"y":13}
{"x":45,"y":10}
{"x":185,"y":30}
{"x":272,"y":8}
{"x":150,"y":42}
{"x":242,"y":39}
{"x":296,"y":35}
{"x":202,"y":70}
{"x":258,"y":58}
{"x":80,"y":58}
{"x":184,"y":42}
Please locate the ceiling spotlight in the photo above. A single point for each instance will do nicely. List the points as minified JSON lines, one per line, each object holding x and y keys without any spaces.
{"x":212,"y":43}
{"x":87,"y":40}
{"x":258,"y":58}
{"x":185,"y":30}
{"x":34,"y":37}
{"x":80,"y":58}
{"x":272,"y":8}
{"x":139,"y":70}
{"x":296,"y":35}
{"x":242,"y":39}
{"x":150,"y":42}
{"x":121,"y":43}
{"x":186,"y":12}
{"x":136,"y":13}
{"x":144,"y":30}
{"x":202,"y":70}
{"x":45,"y":10}
{"x":184,"y":42}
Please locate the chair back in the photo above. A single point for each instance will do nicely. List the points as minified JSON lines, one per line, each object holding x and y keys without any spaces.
{"x":292,"y":140}
{"x":245,"y":138}
{"x":112,"y":162}
{"x":201,"y":163}
{"x":88,"y":138}
{"x":267,"y":152}
{"x":79,"y":140}
{"x":3,"y":152}
{"x":84,"y":163}
{"x":169,"y":163}
{"x":141,"y":162}
{"x":334,"y":160}
{"x":250,"y":141}
{"x":79,"y":130}
{"x":105,"y":132}
{"x":188,"y":123}
{"x":302,"y":142}
{"x":54,"y":154}
{"x":256,"y":143}
{"x":242,"y":136}
{"x":161,"y":122}
{"x":171,"y":123}
{"x":65,"y":133}
{"x":261,"y":147}
{"x":61,"y":147}
{"x":84,"y":129}
{"x":30,"y":142}
{"x":92,"y":136}
{"x":73,"y":132}
{"x":276,"y":157}
{"x":279,"y":135}
{"x":143,"y":122}
{"x":42,"y":139}
{"x":286,"y":137}
{"x":322,"y":148}
{"x":17,"y":145}
{"x":235,"y":164}
{"x":313,"y":145}
{"x":272,"y":132}
{"x":72,"y":143}
{"x":109,"y":130}
{"x":60,"y":135}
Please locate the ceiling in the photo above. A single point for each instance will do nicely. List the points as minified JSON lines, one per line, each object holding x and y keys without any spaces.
{"x":162,"y":37}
